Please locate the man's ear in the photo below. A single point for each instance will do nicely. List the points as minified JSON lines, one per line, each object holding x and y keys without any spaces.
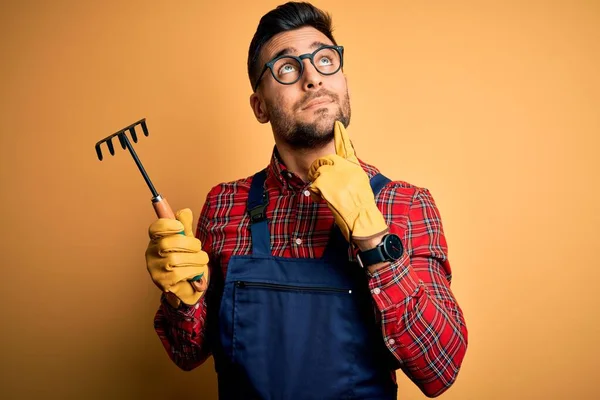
{"x":259,"y":109}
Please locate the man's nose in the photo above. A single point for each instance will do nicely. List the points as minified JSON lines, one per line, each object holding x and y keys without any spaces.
{"x":311,"y":78}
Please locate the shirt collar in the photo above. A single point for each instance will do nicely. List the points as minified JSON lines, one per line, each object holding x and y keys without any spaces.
{"x":287,"y":180}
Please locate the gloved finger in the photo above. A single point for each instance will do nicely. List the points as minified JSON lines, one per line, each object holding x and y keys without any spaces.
{"x":317,"y":167}
{"x":178,"y":243}
{"x":199,"y":286}
{"x":165,"y":276}
{"x":343,"y":146}
{"x":164,"y":227}
{"x":168,"y":261}
{"x":179,"y":260}
{"x":316,"y":187}
{"x":187,"y":219}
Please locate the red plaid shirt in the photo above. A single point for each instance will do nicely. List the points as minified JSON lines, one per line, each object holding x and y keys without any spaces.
{"x":422,"y":323}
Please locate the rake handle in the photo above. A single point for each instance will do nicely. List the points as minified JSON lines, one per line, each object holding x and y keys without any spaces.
{"x":164,"y":210}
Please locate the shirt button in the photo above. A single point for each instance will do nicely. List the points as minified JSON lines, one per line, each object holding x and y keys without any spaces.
{"x":197,"y":305}
{"x":376,"y":290}
{"x":306,"y":193}
{"x":391,"y":341}
{"x":298,"y":241}
{"x":289,"y":174}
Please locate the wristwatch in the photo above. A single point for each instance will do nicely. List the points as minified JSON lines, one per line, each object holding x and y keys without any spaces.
{"x":390,"y":249}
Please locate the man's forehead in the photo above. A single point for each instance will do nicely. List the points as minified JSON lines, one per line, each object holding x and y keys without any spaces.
{"x":297,"y":41}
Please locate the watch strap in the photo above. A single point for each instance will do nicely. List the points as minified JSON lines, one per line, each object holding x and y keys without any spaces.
{"x":371,"y":257}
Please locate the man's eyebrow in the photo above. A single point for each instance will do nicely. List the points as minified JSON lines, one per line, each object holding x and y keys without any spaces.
{"x":287,"y":50}
{"x":291,"y":50}
{"x":316,"y":44}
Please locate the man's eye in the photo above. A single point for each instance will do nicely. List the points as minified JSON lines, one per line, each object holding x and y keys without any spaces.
{"x":325,"y":61}
{"x":286,"y":69}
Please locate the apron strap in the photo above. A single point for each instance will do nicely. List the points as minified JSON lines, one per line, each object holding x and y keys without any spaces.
{"x":378,"y":182}
{"x":257,"y":207}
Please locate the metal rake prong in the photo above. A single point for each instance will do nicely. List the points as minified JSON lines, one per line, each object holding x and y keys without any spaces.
{"x":98,"y":151}
{"x":133,"y":134}
{"x":121,"y":137}
{"x":111,"y":148}
{"x":145,"y":128}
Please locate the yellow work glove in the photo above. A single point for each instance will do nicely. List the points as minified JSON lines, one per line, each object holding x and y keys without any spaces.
{"x":172,"y":258}
{"x":341,"y":181}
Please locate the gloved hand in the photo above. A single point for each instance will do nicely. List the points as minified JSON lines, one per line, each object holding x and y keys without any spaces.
{"x":173,"y":258}
{"x":341,"y":181}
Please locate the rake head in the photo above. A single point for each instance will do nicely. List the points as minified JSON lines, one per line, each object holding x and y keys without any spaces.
{"x":122,"y":138}
{"x":125,"y":144}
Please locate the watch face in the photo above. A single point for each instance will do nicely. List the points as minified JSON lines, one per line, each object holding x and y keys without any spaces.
{"x":393,"y":246}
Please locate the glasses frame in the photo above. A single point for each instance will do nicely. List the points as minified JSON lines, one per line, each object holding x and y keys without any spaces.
{"x":269,"y":65}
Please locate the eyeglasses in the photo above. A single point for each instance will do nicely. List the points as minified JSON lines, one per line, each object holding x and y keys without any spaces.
{"x":288,"y":70}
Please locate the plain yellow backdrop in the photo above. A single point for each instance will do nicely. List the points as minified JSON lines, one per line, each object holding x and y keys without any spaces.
{"x":492,"y":105}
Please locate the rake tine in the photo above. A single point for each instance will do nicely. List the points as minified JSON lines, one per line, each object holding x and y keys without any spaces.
{"x":98,"y":151}
{"x":133,"y":134}
{"x":121,"y":137}
{"x":144,"y":127}
{"x":111,"y":148}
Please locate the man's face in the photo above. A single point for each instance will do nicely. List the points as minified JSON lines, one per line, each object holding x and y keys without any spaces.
{"x":301,"y":114}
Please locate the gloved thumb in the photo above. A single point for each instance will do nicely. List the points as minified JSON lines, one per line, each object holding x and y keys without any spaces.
{"x":186,"y":217}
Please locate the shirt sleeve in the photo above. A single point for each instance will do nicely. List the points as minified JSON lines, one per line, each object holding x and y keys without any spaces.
{"x":422,"y":323}
{"x":182,"y":331}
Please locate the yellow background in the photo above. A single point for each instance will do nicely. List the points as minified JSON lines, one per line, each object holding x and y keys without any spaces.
{"x":493,"y":106}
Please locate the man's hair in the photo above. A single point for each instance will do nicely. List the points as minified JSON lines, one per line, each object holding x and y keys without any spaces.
{"x":286,"y":17}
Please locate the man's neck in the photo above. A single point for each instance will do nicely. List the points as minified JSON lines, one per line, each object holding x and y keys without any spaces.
{"x":299,"y":161}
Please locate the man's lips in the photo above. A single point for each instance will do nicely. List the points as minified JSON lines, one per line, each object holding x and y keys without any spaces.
{"x":317,"y":102}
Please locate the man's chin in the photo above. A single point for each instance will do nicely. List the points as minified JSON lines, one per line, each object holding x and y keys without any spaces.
{"x":322,"y":122}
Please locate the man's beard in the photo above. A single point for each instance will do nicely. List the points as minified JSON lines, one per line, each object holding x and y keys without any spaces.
{"x":314,"y":135}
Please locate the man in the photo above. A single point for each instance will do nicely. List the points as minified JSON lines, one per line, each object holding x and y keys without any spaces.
{"x":325,"y":276}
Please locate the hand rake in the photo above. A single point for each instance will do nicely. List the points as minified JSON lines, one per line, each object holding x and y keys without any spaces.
{"x":160,"y":204}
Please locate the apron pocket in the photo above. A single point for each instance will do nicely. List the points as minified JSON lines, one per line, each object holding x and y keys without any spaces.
{"x":295,"y":340}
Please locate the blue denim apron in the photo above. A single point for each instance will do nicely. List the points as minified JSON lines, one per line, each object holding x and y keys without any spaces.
{"x":299,"y":328}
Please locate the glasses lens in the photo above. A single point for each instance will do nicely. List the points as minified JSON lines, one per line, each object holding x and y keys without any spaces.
{"x":286,"y":70}
{"x":327,"y":61}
